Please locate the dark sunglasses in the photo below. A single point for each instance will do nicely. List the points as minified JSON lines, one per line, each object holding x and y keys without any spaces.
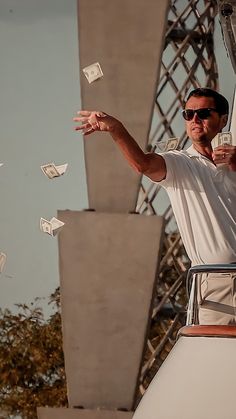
{"x":202,"y":113}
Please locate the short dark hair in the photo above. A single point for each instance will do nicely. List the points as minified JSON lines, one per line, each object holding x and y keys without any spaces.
{"x":221,"y":103}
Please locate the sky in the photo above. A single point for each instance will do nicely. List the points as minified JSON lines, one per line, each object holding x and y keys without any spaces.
{"x":40,"y":94}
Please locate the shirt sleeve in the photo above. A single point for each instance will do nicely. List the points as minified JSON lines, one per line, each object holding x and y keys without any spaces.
{"x":174,"y":168}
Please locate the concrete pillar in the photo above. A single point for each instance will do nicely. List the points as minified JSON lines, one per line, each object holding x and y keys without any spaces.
{"x":108,"y":265}
{"x":126,"y":37}
{"x":63,"y":413}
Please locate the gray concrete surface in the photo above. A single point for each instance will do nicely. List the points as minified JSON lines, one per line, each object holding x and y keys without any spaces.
{"x":108,"y":264}
{"x":62,"y":413}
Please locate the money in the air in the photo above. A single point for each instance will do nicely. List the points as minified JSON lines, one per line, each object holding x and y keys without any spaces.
{"x":93,"y":72}
{"x":3,"y":258}
{"x":172,"y":144}
{"x":51,"y":227}
{"x":51,"y":170}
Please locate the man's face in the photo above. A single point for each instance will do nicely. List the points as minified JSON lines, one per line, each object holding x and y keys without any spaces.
{"x":202,"y":131}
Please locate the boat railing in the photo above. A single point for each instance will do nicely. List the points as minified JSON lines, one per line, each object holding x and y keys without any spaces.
{"x":193,"y":284}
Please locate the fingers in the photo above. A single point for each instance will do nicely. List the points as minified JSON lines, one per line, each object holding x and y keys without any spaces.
{"x":224,"y":153}
{"x":80,"y":119}
{"x":227,"y":148}
{"x":83,"y":126}
{"x":87,"y":126}
{"x":90,"y":121}
{"x":84,"y":113}
{"x":89,"y":131}
{"x":216,"y":155}
{"x":221,"y":156}
{"x":92,"y":113}
{"x":101,"y":114}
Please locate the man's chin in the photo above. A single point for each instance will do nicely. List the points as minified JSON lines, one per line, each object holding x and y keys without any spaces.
{"x":199,"y":137}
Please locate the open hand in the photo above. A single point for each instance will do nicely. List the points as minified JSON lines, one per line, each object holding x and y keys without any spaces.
{"x":95,"y":121}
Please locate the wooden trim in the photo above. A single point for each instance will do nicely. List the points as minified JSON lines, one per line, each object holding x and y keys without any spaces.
{"x":210,"y":331}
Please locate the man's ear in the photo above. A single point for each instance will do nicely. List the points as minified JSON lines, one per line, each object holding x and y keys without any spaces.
{"x":224,"y":119}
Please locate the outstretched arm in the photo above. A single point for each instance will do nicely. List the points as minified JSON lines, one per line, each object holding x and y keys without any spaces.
{"x":149,"y":164}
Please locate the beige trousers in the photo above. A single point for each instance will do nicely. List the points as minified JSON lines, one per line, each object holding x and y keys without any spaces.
{"x":217,"y":299}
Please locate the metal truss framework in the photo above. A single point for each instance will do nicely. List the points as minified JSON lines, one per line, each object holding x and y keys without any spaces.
{"x":188,"y":62}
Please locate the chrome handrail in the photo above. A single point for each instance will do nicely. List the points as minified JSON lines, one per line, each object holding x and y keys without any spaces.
{"x":192,"y":286}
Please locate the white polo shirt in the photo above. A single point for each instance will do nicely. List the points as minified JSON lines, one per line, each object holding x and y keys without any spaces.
{"x":203,"y":198}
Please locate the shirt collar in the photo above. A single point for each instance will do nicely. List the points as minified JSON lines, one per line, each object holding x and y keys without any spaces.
{"x":192,"y":152}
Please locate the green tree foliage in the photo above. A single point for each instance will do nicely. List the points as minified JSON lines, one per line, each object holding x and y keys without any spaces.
{"x":31,"y":360}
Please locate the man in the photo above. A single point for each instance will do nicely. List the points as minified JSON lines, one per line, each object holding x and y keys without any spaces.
{"x":201,"y":184}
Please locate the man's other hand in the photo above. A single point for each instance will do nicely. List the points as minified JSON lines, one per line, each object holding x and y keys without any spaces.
{"x":225,"y":154}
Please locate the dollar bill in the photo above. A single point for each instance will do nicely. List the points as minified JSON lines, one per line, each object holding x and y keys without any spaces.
{"x":172,"y":144}
{"x":46,"y":226}
{"x":51,"y":170}
{"x":93,"y":72}
{"x":51,"y":227}
{"x":3,"y":258}
{"x":224,"y":138}
{"x":62,"y":168}
{"x":56,"y":225}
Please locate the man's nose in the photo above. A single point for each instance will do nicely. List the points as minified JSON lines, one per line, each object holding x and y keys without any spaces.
{"x":195,"y":117}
